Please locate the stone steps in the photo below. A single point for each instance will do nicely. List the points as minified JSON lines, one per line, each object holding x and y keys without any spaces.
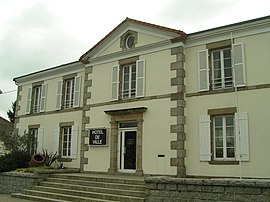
{"x":87,"y":187}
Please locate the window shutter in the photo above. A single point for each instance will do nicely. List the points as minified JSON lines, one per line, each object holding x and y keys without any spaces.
{"x":115,"y":82}
{"x":203,"y":70}
{"x":140,"y":78}
{"x":205,"y":140}
{"x":77,"y":91}
{"x":74,"y":141}
{"x":242,"y":137}
{"x":59,"y":94}
{"x":29,"y":98}
{"x":43,"y":97}
{"x":55,"y":145}
{"x":239,"y":65}
{"x":40,"y":140}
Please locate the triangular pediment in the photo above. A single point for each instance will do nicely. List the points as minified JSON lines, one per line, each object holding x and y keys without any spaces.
{"x":131,"y":34}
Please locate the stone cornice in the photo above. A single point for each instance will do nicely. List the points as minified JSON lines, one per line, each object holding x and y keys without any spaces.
{"x":163,"y":45}
{"x":237,"y":30}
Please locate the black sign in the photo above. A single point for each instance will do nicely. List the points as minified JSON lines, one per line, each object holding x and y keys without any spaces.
{"x":98,"y":136}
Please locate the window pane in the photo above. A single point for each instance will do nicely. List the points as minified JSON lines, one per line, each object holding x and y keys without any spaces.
{"x":230,"y":153}
{"x":219,"y":142}
{"x":219,"y":152}
{"x":230,"y":142}
{"x":218,"y":132}
{"x":229,"y":120}
{"x":218,"y":121}
{"x":216,"y":55}
{"x":227,"y":53}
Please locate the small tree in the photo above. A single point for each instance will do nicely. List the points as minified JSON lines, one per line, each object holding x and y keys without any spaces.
{"x":11,"y":113}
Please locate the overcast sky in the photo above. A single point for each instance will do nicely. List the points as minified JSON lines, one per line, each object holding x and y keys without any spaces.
{"x":36,"y":35}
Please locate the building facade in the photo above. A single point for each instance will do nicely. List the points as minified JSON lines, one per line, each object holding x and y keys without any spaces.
{"x":6,"y":127}
{"x":152,"y":100}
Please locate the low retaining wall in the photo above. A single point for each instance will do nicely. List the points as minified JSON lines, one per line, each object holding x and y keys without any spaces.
{"x":12,"y":182}
{"x":185,"y":189}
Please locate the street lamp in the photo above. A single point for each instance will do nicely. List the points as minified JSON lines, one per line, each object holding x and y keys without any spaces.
{"x":1,"y":92}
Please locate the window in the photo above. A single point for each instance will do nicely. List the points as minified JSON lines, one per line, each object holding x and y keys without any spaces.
{"x":128,"y":80}
{"x":66,"y":141}
{"x":222,"y":69}
{"x":35,"y":139}
{"x":36,"y":98}
{"x":130,"y":41}
{"x":224,"y":137}
{"x":68,"y":93}
{"x":225,"y":63}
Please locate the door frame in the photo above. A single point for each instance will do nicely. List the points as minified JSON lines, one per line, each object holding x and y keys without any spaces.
{"x":120,"y":153}
{"x":124,"y":115}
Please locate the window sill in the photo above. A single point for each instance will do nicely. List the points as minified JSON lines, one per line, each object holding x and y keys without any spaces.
{"x":65,"y":159}
{"x":215,"y":162}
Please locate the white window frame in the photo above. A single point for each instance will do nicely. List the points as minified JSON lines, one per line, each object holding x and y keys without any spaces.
{"x":67,"y":146}
{"x":222,"y":68}
{"x":36,"y":99}
{"x":131,"y":92}
{"x":224,"y":138}
{"x":69,"y":93}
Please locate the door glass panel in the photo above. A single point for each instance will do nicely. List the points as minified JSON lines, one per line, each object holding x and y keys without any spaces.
{"x":130,"y":150}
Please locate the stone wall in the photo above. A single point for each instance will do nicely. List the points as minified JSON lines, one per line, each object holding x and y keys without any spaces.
{"x":161,"y":189}
{"x":12,"y":182}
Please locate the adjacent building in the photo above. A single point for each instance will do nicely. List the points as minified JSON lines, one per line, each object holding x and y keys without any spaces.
{"x":151,"y":100}
{"x":6,"y":127}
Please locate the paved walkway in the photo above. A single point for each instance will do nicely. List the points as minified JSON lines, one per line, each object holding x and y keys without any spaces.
{"x":8,"y":198}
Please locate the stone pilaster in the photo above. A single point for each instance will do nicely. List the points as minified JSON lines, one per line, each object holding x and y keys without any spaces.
{"x":85,"y":117}
{"x":178,"y":111}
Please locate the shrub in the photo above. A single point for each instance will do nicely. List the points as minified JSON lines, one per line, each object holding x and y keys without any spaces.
{"x":13,"y":160}
{"x":50,"y":158}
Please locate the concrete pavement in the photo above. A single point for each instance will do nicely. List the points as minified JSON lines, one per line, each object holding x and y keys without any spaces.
{"x":8,"y":198}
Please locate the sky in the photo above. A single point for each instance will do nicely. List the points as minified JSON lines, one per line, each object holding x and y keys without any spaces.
{"x":36,"y":35}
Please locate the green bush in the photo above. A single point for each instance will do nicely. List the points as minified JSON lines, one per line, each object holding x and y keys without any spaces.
{"x":13,"y":160}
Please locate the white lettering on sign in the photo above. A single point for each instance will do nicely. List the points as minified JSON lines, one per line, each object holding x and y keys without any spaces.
{"x":97,"y":141}
{"x":98,"y":136}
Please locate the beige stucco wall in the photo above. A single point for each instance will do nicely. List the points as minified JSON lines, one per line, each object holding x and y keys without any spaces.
{"x":157,"y":76}
{"x":156,"y":136}
{"x":250,"y":101}
{"x":51,"y":92}
{"x":156,"y":120}
{"x":50,"y":119}
{"x":49,"y":123}
{"x":143,"y":39}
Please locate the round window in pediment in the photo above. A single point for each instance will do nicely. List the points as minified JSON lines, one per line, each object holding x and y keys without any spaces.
{"x":130,"y":41}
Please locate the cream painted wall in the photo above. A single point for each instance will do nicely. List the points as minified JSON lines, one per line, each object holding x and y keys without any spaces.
{"x":50,"y":122}
{"x":257,"y":60}
{"x":252,"y":102}
{"x":51,"y":93}
{"x":156,"y":136}
{"x":143,"y":39}
{"x":157,"y":77}
{"x":257,"y":48}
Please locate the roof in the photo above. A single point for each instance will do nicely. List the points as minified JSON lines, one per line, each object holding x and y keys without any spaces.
{"x":231,"y":25}
{"x":46,"y":70}
{"x":129,"y":20}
